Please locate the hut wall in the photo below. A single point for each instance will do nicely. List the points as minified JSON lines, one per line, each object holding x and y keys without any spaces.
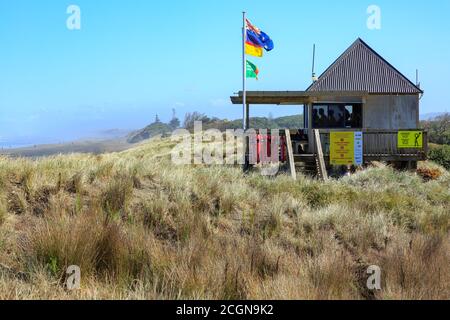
{"x":391,"y":112}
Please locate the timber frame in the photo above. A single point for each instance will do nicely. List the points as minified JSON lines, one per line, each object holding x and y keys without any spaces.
{"x":297,"y":97}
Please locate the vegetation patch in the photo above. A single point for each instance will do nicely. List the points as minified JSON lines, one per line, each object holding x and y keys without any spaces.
{"x":440,"y":155}
{"x":141,"y":228}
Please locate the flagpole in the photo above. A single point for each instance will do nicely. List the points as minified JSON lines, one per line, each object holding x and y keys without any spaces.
{"x":244,"y":76}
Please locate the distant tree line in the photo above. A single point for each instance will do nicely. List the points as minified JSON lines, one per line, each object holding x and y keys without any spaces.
{"x":438,"y":129}
{"x":164,"y":129}
{"x":439,"y":137}
{"x":290,"y":122}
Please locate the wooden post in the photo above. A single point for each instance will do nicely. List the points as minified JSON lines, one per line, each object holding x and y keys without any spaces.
{"x":310,"y":129}
{"x":425,"y":145}
{"x":247,"y":118}
{"x":247,"y":138}
{"x":319,"y":153}
{"x":290,"y":154}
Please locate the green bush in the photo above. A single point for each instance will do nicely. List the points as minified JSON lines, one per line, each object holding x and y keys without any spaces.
{"x":440,"y":155}
{"x":438,"y":129}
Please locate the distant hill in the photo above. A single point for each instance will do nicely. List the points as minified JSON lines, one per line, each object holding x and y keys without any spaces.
{"x":113,"y":133}
{"x":159,"y":128}
{"x":430,"y":116}
{"x":150,"y":131}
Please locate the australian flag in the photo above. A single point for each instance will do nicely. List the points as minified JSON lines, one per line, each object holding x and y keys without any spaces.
{"x":258,"y":38}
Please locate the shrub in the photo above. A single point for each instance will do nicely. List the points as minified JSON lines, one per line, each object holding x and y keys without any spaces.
{"x":429,"y":173}
{"x":99,"y":248}
{"x":440,"y":155}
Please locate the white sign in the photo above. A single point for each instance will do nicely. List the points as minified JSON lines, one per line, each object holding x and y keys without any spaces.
{"x":358,"y":148}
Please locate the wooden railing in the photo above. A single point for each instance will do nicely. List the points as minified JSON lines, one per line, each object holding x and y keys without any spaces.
{"x":379,"y":144}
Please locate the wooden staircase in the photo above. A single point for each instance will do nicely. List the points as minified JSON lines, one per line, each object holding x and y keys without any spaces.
{"x":311,"y":164}
{"x":306,"y":163}
{"x":320,"y":162}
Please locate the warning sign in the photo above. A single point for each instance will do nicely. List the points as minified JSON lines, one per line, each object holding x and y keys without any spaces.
{"x":342,"y":148}
{"x":410,"y":139}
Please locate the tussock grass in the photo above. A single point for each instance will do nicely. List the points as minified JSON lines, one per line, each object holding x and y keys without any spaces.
{"x":3,"y":210}
{"x":141,"y":228}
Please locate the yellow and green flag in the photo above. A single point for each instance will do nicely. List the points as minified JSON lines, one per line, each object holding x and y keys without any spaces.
{"x":252,"y":70}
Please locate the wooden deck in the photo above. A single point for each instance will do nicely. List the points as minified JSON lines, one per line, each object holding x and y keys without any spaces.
{"x":381,"y":145}
{"x":378,"y":145}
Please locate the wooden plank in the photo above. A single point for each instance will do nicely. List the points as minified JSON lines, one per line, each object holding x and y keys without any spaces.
{"x":322,"y":167}
{"x":251,"y":93}
{"x":299,"y":97}
{"x":290,"y":154}
{"x":372,"y":157}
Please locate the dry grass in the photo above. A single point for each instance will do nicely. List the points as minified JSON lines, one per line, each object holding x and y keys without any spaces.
{"x":140,"y":228}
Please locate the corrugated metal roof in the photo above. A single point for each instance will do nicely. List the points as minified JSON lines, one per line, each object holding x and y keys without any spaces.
{"x":360,"y":68}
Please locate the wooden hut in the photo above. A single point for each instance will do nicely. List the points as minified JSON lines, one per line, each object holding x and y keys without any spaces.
{"x":360,"y":92}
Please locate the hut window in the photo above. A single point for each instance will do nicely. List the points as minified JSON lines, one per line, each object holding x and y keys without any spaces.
{"x":337,"y":116}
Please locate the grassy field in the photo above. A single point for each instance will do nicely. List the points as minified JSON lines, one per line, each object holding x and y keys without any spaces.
{"x":140,"y":228}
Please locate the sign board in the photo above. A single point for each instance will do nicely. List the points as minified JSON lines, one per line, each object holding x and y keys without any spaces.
{"x":410,"y":139}
{"x":358,"y":148}
{"x":346,"y":148}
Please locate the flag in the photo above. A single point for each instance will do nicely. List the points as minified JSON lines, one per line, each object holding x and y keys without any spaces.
{"x":252,"y":70}
{"x":253,"y":50}
{"x":258,"y":37}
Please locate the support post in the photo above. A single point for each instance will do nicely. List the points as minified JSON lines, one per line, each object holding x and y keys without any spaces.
{"x":322,"y":170}
{"x":247,"y":139}
{"x":290,"y":154}
{"x":245,"y":119}
{"x":247,"y":116}
{"x":244,"y":73}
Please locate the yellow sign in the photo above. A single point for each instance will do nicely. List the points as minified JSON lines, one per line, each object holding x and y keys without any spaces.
{"x":410,"y":139}
{"x":342,"y":148}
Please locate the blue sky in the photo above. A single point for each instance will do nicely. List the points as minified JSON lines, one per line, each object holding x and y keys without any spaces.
{"x":135,"y":58}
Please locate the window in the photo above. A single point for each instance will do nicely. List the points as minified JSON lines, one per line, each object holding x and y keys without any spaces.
{"x":328,"y":116}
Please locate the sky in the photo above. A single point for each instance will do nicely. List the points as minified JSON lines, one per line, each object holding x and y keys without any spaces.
{"x":134,"y":59}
